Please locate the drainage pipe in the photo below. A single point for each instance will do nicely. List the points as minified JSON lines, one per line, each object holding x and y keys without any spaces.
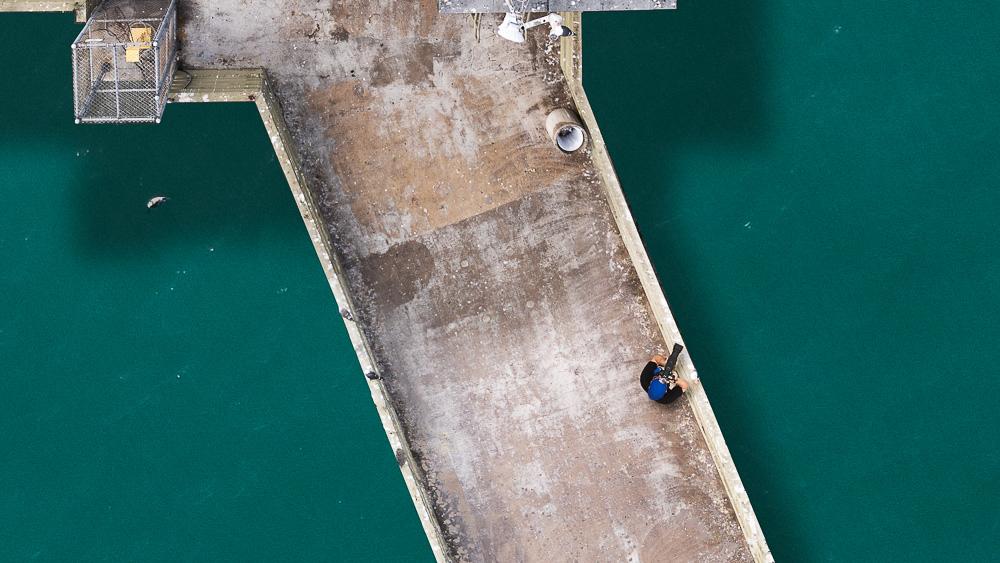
{"x":565,"y":130}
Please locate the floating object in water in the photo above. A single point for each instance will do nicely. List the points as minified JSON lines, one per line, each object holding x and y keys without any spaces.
{"x":156,"y":202}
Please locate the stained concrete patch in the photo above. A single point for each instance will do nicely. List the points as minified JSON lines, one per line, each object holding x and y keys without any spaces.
{"x":340,"y":34}
{"x":415,"y":68}
{"x":396,"y":275}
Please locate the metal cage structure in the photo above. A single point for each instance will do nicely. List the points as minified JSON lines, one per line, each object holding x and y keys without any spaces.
{"x":124,"y":61}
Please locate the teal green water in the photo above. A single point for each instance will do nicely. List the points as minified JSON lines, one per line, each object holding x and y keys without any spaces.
{"x":176,"y":385}
{"x":817,"y":183}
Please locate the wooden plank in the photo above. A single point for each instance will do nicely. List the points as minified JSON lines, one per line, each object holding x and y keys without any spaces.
{"x":37,"y":6}
{"x":241,"y":85}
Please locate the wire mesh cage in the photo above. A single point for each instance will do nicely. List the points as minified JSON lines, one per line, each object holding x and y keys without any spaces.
{"x":124,"y":61}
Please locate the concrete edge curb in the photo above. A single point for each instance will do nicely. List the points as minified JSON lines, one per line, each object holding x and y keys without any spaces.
{"x":252,"y":85}
{"x":571,"y":62}
{"x":82,"y":8}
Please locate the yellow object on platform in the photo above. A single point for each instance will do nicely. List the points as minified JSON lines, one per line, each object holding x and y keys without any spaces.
{"x":141,"y":36}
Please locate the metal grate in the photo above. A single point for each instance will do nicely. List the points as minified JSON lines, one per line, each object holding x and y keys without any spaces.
{"x":124,"y":61}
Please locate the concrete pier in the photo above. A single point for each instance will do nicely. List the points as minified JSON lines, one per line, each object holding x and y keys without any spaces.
{"x":494,"y":288}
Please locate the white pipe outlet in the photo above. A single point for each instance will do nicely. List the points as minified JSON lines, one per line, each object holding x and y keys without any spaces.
{"x":565,"y":130}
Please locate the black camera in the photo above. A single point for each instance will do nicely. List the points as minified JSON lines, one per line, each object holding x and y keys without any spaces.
{"x":667,"y":371}
{"x":668,"y":376}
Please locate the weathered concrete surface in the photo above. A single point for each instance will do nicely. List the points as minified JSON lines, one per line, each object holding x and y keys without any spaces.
{"x":495,"y":288}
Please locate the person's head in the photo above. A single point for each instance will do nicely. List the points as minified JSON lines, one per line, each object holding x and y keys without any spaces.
{"x":657,"y":388}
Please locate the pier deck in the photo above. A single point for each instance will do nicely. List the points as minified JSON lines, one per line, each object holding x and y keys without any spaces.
{"x":489,"y":278}
{"x":487,"y":275}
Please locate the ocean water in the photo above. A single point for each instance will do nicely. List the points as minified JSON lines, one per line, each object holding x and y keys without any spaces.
{"x":175,"y":385}
{"x":817,"y":184}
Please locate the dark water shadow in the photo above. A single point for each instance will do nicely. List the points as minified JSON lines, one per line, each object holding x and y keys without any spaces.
{"x":694,"y":75}
{"x":671,"y":81}
{"x":197,"y":158}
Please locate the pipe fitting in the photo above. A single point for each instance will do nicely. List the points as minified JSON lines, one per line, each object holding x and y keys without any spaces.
{"x":566,"y":130}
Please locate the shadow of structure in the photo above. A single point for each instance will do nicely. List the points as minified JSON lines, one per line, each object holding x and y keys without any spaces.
{"x":662,"y":83}
{"x":196,"y":158}
{"x":671,"y":81}
{"x":694,"y":74}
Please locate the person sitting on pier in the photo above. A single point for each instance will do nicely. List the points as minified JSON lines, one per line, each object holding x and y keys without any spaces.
{"x":657,"y":376}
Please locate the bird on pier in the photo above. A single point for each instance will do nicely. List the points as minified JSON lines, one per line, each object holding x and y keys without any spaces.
{"x":156,"y":202}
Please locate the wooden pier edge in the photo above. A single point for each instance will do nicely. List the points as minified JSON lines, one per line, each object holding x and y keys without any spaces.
{"x":82,"y":8}
{"x":571,"y":61}
{"x":252,"y":85}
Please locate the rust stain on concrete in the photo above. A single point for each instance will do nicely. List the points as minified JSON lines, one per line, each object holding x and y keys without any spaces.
{"x":412,"y":162}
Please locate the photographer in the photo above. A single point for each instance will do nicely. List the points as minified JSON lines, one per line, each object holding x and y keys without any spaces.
{"x":656,"y":379}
